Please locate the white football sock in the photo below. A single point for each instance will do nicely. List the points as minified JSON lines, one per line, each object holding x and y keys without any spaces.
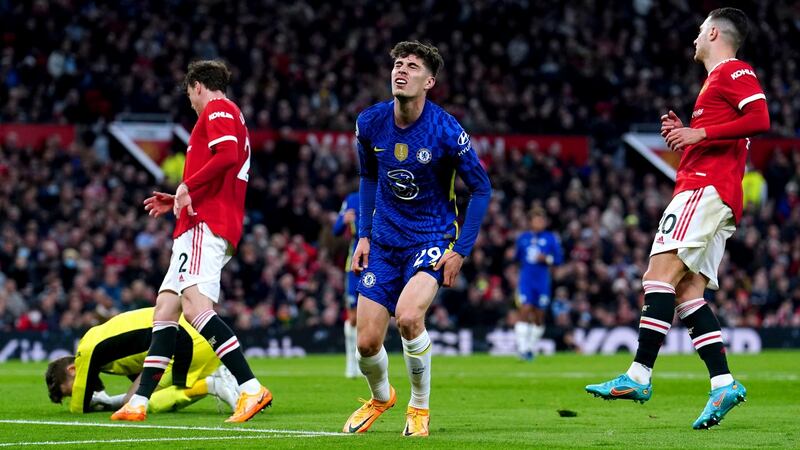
{"x":640,"y":373}
{"x":138,"y":400}
{"x":721,"y":380}
{"x":212,"y":386}
{"x":536,"y":331}
{"x":117,"y":401}
{"x":376,"y":369}
{"x":522,"y":330}
{"x":250,"y":387}
{"x":417,"y":353}
{"x":350,"y":347}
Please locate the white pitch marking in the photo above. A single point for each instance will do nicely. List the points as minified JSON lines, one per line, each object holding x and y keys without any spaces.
{"x":173,"y":427}
{"x":166,"y":439}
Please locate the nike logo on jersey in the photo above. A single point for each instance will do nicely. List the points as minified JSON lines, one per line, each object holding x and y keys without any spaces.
{"x":188,"y":149}
{"x":376,"y":149}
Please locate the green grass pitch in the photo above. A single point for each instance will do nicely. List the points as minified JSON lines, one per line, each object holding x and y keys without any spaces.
{"x":477,"y":402}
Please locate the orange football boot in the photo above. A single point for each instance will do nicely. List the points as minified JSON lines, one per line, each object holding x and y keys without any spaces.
{"x":130,"y":413}
{"x":249,"y":405}
{"x":417,"y":421}
{"x":363,"y":417}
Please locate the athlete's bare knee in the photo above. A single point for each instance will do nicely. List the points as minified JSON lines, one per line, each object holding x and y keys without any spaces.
{"x":168,"y":307}
{"x":410,"y":324}
{"x":665,"y":268}
{"x":194,"y":303}
{"x":368,"y":346}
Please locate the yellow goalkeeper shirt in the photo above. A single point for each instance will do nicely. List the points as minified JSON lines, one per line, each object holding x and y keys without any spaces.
{"x":119,"y":346}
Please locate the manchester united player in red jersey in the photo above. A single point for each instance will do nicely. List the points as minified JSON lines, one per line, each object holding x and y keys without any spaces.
{"x":705,"y":208}
{"x":209,"y":206}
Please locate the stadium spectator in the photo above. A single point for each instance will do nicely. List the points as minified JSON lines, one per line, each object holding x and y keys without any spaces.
{"x":59,"y":241}
{"x":544,"y":66}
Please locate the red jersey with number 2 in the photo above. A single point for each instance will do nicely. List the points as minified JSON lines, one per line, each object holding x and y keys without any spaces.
{"x":220,"y":202}
{"x":730,"y":86}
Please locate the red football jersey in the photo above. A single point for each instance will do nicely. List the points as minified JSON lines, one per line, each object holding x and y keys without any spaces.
{"x":730,"y":86}
{"x":219,"y":202}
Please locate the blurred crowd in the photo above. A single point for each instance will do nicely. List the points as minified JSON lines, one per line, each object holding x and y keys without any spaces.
{"x":589,"y":67}
{"x":76,"y":246}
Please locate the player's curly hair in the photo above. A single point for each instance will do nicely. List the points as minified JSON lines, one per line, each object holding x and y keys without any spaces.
{"x":56,"y":375}
{"x":214,"y":75}
{"x":428,"y":53}
{"x":737,"y":21}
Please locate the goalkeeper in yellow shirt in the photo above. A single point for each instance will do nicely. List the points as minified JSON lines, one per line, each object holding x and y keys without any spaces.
{"x":119,"y":347}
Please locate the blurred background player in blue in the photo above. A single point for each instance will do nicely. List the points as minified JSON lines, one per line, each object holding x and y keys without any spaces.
{"x":537,"y":251}
{"x":347,"y":224}
{"x":410,"y":151}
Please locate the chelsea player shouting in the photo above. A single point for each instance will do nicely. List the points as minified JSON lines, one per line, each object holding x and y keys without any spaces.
{"x":410,"y":151}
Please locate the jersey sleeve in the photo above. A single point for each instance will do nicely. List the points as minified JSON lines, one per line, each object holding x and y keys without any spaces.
{"x":220,"y":123}
{"x":368,"y":162}
{"x":555,"y":250}
{"x":338,"y":226}
{"x":739,"y":85}
{"x":87,"y":379}
{"x":368,"y":172}
{"x":471,"y":171}
{"x":519,"y":249}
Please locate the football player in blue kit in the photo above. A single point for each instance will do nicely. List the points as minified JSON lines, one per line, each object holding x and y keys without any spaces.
{"x":537,"y":251}
{"x":410,"y":151}
{"x":348,"y":221}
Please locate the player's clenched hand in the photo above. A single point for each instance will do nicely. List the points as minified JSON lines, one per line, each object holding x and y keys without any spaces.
{"x":182,"y":200}
{"x":669,"y":122}
{"x":159,"y":204}
{"x":680,"y":138}
{"x":361,"y":253}
{"x":451,"y":261}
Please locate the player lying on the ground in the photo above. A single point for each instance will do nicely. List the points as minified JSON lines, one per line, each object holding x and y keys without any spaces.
{"x":119,"y":347}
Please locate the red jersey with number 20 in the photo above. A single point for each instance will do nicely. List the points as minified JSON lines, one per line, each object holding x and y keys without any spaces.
{"x":730,"y":86}
{"x":219,"y":200}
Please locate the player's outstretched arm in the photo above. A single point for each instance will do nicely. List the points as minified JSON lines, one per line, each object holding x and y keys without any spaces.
{"x":159,"y":204}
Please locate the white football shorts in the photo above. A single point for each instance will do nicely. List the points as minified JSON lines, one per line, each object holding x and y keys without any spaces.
{"x":198,"y":256}
{"x":696,"y":223}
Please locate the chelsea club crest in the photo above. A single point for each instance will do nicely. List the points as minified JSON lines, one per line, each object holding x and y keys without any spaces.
{"x":368,"y":279}
{"x":424,"y":156}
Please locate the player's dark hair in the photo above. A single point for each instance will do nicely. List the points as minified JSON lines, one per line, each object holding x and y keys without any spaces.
{"x":738,"y":21}
{"x":214,"y":75}
{"x":537,"y":211}
{"x":428,"y":53}
{"x":56,"y":375}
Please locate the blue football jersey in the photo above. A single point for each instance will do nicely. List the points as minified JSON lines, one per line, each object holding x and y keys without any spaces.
{"x":350,"y":202}
{"x":415,"y":169}
{"x":530,"y":246}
